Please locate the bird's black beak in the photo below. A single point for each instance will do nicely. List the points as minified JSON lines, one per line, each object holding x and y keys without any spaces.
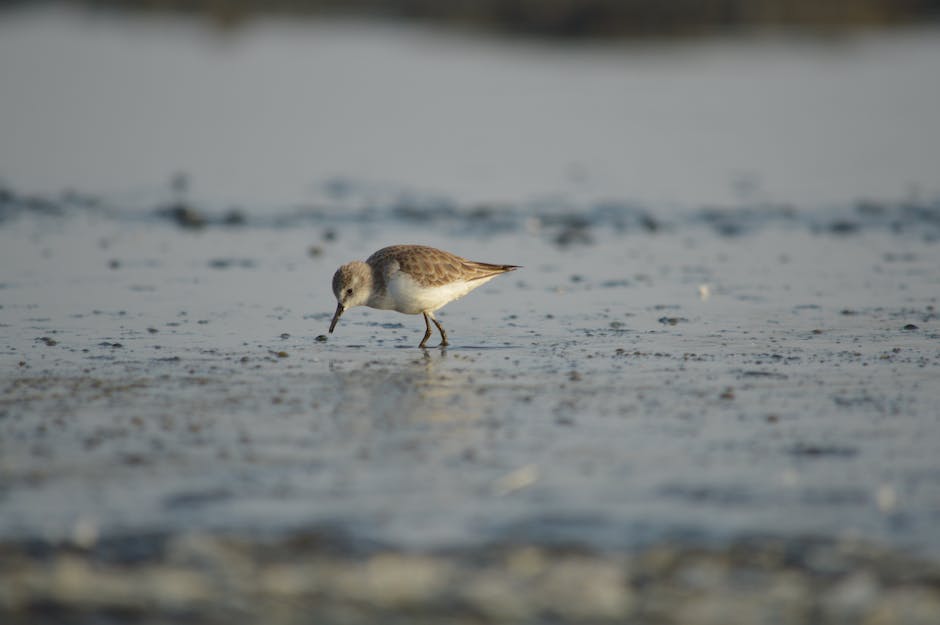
{"x":339,"y":311}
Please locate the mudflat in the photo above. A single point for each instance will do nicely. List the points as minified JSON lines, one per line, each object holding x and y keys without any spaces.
{"x":710,"y":394}
{"x":635,"y":404}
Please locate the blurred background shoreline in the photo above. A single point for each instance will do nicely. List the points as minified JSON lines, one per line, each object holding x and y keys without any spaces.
{"x":571,"y":19}
{"x":115,"y":102}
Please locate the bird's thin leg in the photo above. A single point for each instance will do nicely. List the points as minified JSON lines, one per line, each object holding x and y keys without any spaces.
{"x":427,"y":331}
{"x":444,"y":342}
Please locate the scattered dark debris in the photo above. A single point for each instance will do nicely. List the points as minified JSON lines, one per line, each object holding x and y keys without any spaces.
{"x":321,"y":338}
{"x":189,"y":217}
{"x":285,"y":335}
{"x":133,"y":459}
{"x":227,"y":263}
{"x":565,"y":224}
{"x":756,"y":373}
{"x":722,"y":495}
{"x":844,"y":227}
{"x":7,"y":196}
{"x":234,"y":217}
{"x":735,"y":221}
{"x":183,"y":215}
{"x":649,"y":223}
{"x":728,"y":394}
{"x":856,"y":401}
{"x":810,"y":450}
{"x":575,"y":233}
{"x":196,"y":499}
{"x":51,"y":342}
{"x":314,"y":251}
{"x":671,"y":321}
{"x":911,"y":327}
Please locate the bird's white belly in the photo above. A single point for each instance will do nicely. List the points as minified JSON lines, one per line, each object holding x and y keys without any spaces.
{"x":405,"y":295}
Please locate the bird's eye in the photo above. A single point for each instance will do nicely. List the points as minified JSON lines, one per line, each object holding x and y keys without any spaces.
{"x":348,"y":291}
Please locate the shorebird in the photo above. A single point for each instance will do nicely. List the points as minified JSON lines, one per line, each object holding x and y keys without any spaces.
{"x":412,"y":279}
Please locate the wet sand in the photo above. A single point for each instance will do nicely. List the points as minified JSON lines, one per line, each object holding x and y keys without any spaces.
{"x":634,"y":407}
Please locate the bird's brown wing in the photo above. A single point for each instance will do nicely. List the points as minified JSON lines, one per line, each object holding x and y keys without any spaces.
{"x":433,"y":267}
{"x":485,"y":270}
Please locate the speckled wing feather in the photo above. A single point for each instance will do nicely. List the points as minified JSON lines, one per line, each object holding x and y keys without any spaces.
{"x":433,"y":267}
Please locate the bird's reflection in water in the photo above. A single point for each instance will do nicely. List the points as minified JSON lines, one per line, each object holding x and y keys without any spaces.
{"x":428,"y":388}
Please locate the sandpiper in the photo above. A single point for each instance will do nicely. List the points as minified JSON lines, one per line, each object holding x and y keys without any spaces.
{"x":411,"y":279}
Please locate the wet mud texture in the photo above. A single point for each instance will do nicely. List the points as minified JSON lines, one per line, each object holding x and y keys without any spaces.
{"x":669,"y":423}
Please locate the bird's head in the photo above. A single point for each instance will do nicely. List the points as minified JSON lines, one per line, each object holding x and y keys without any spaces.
{"x":352,"y":286}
